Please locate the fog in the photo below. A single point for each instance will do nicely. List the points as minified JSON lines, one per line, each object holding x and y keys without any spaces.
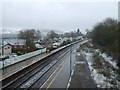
{"x":58,"y":16}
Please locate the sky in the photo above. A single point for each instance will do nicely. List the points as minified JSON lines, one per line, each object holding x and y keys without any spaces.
{"x":58,"y":16}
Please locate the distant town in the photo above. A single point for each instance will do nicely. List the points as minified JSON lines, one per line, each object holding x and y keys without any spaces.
{"x":31,"y":40}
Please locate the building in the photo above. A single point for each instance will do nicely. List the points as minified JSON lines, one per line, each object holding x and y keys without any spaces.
{"x":65,"y":39}
{"x":16,"y":43}
{"x":56,"y":44}
{"x":38,"y":45}
{"x":5,"y":49}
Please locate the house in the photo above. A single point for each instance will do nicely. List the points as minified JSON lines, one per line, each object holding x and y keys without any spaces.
{"x":5,"y":49}
{"x":79,"y":38}
{"x":16,"y":43}
{"x":38,"y":45}
{"x":65,"y":39}
{"x":71,"y":38}
{"x":56,"y":44}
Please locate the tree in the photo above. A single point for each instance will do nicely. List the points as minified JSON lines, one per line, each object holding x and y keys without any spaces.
{"x":29,"y":36}
{"x":38,"y":35}
{"x":104,"y":32}
{"x":73,"y":34}
{"x":48,"y":43}
{"x":67,"y":35}
{"x":88,"y":34}
{"x":118,"y":43}
{"x":52,"y":34}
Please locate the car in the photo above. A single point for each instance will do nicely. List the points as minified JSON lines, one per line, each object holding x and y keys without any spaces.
{"x":13,"y":55}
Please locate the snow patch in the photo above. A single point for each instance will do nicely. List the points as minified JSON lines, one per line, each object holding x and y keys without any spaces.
{"x":99,"y":79}
{"x":109,"y":59}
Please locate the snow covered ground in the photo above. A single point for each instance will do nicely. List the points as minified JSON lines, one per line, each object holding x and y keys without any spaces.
{"x":100,"y":79}
{"x":108,"y":59}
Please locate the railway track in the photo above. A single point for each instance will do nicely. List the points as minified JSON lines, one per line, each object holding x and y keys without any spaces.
{"x":35,"y":77}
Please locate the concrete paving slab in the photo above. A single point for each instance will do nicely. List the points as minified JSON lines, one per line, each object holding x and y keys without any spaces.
{"x":81,"y":77}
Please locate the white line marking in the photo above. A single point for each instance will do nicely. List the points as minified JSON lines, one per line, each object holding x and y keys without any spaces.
{"x":80,"y":62}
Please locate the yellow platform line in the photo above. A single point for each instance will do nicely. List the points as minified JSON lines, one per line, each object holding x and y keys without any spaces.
{"x":56,"y":75}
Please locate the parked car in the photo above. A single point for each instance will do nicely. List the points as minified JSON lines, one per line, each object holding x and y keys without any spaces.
{"x":13,"y":55}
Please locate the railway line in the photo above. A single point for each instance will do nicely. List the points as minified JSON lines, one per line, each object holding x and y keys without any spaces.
{"x":37,"y":74}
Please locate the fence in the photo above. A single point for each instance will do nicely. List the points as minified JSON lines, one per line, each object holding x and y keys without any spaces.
{"x":13,"y":60}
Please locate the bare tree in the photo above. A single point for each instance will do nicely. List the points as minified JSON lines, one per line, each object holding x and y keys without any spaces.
{"x":48,"y":42}
{"x":29,"y":36}
{"x":38,"y":35}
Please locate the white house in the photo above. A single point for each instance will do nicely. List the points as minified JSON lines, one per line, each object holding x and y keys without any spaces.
{"x":71,"y":38}
{"x":38,"y":45}
{"x":65,"y":39}
{"x":56,"y":44}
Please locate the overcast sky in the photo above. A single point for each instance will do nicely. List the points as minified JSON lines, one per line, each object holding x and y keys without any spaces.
{"x":59,"y":16}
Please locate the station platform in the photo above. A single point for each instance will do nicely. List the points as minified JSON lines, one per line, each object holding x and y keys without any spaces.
{"x":14,"y":68}
{"x":81,"y":77}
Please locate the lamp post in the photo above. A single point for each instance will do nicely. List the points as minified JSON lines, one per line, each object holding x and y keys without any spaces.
{"x":75,"y":55}
{"x":70,"y":59}
{"x":3,"y":54}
